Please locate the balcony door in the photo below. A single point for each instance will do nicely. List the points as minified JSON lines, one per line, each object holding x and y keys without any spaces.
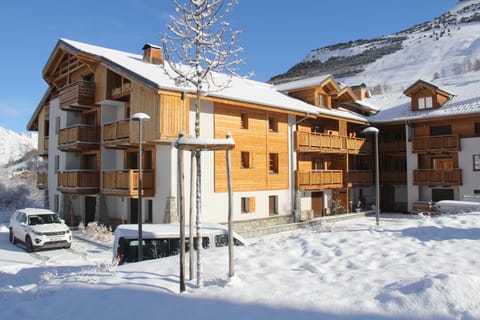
{"x":442,"y":163}
{"x":317,"y":204}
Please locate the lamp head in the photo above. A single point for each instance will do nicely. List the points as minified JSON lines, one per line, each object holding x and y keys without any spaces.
{"x":140,"y":116}
{"x":370,"y":130}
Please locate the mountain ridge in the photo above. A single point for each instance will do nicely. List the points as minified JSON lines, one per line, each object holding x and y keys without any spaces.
{"x":363,"y":60}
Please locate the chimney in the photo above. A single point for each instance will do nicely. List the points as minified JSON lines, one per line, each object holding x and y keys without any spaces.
{"x":360,"y":91}
{"x":152,"y":54}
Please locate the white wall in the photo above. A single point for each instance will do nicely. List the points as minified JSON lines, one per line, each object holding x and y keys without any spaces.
{"x":470,"y":178}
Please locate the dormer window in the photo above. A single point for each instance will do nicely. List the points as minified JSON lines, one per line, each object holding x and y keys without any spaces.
{"x":322,"y":100}
{"x":425,"y":103}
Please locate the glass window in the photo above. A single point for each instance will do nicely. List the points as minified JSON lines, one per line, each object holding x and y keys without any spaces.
{"x":244,"y":121}
{"x":273,"y":162}
{"x":476,"y":162}
{"x":245,"y":160}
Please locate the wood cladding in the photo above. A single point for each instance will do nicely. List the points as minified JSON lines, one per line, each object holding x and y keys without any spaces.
{"x":259,"y":141}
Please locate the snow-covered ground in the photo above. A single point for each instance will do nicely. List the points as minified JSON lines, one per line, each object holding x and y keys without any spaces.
{"x":409,"y":267}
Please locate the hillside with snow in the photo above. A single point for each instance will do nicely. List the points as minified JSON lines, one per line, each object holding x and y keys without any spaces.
{"x":14,"y":146}
{"x":448,"y":45}
{"x":18,"y":167}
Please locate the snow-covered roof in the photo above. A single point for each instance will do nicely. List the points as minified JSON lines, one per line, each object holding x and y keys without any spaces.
{"x":240,"y":89}
{"x":430,"y":84}
{"x":466,"y":100}
{"x":302,"y":83}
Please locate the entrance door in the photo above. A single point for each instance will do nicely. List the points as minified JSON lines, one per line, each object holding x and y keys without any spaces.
{"x":317,"y":204}
{"x":442,"y":194}
{"x":90,"y":205}
{"x":133,"y":210}
{"x":387,"y":198}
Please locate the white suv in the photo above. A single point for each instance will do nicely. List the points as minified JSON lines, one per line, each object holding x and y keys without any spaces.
{"x":39,"y":228}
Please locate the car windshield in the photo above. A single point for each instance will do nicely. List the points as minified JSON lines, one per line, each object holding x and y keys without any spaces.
{"x":43,"y":219}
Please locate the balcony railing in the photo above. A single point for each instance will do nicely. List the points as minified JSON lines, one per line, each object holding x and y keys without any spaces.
{"x":437,"y":177}
{"x":320,"y":142}
{"x":78,"y":181}
{"x":42,"y":180}
{"x":78,"y":138}
{"x":115,"y":133}
{"x":392,"y":146}
{"x":78,"y":95}
{"x":399,"y":177}
{"x":319,"y":179}
{"x":359,"y":177}
{"x":125,"y":183}
{"x":436,"y":143}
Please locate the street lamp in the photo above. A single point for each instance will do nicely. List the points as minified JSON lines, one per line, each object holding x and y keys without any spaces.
{"x":140,"y":117}
{"x":374,"y":131}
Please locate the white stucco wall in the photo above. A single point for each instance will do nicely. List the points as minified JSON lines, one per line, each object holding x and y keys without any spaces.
{"x":470,"y":178}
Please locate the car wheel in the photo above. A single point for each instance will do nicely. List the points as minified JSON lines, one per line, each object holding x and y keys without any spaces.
{"x":29,"y":245}
{"x":12,"y":237}
{"x":68,"y":246}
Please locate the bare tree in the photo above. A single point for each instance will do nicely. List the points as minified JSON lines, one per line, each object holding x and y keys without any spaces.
{"x":200,"y":46}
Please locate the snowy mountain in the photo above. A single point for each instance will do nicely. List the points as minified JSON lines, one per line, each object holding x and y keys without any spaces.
{"x":18,"y":163}
{"x":14,"y":146}
{"x":447,"y":45}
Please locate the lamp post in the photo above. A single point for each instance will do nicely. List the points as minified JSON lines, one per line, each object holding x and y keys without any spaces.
{"x":140,"y":117}
{"x":374,"y":131}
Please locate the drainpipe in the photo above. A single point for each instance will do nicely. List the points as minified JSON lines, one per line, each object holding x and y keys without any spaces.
{"x":294,"y":195}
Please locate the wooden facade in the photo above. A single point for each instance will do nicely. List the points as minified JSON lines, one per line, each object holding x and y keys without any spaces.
{"x":258,"y":141}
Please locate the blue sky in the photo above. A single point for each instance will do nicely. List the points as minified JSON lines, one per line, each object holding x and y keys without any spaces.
{"x":276,"y":34}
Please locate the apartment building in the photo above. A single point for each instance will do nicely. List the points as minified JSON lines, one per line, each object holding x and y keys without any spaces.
{"x":429,"y":143}
{"x":296,"y":156}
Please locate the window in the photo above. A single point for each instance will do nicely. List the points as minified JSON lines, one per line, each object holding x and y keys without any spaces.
{"x":322,"y":100}
{"x":247,"y":204}
{"x":245,"y":160}
{"x":273,"y":162}
{"x":477,"y":129}
{"x":476,"y":162}
{"x":57,"y":124}
{"x":272,"y":124}
{"x":476,"y":192}
{"x":57,"y":163}
{"x":441,"y":130}
{"x":244,"y":121}
{"x":425,"y":103}
{"x":272,"y":205}
{"x":56,"y":203}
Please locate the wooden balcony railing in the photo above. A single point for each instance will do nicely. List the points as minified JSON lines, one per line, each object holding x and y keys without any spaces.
{"x":122,"y":90}
{"x":399,"y":177}
{"x":125,"y":183}
{"x":359,"y":177}
{"x":77,"y":95}
{"x":42,"y":180}
{"x":320,"y":142}
{"x":392,"y":146}
{"x":78,"y":181}
{"x":79,"y":138}
{"x":44,"y":152}
{"x":319,"y":179}
{"x":436,"y":143}
{"x":115,"y":133}
{"x":437,"y":177}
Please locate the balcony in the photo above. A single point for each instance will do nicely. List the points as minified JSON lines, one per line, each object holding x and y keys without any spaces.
{"x":116,"y":134}
{"x":392,"y":147}
{"x":437,"y":177}
{"x":432,"y":144}
{"x":78,"y":95}
{"x":122,"y":90}
{"x":328,"y":143}
{"x":79,"y":138}
{"x":393,"y":177}
{"x":359,"y":178}
{"x":42,"y":180}
{"x":78,"y":181}
{"x":319,"y":179}
{"x":124,"y":183}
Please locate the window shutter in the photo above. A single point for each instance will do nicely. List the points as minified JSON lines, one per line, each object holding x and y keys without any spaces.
{"x":251,"y":204}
